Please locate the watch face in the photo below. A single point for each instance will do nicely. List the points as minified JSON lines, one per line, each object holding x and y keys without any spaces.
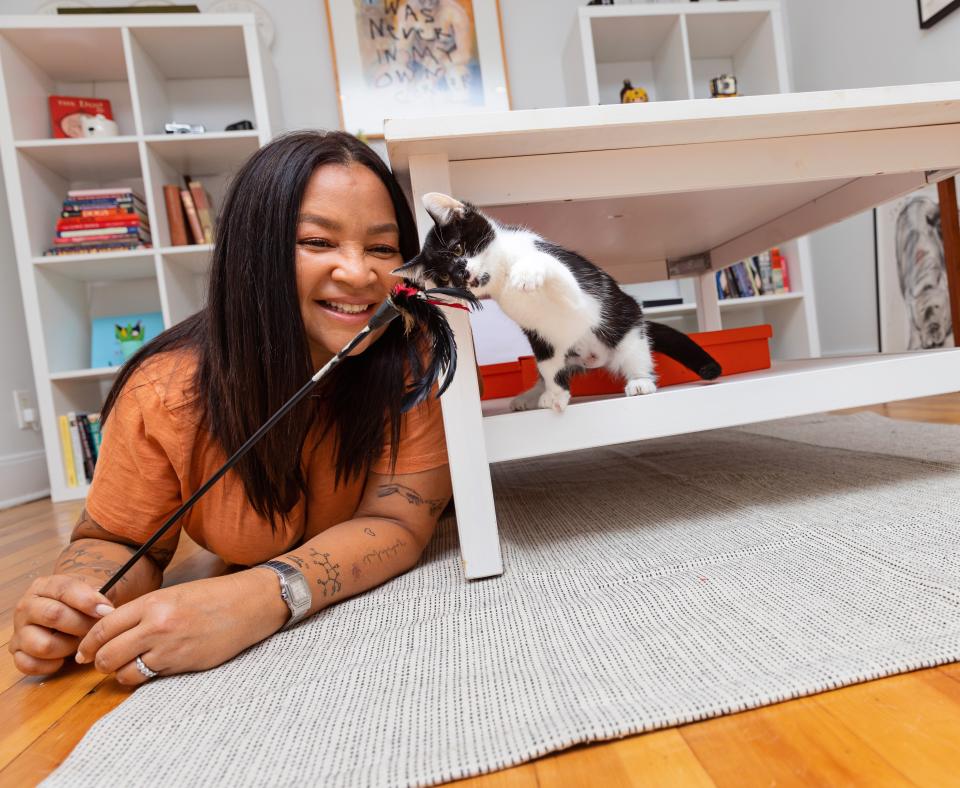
{"x":299,"y":590}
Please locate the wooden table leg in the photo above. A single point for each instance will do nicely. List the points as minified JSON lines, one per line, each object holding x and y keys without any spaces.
{"x":462,"y":416}
{"x":950,"y":227}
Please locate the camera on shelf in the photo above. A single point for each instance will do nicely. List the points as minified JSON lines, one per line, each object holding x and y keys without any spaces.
{"x":184,"y":128}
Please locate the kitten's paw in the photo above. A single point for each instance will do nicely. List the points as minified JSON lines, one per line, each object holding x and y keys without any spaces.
{"x":526,"y":277}
{"x":640,"y":386}
{"x":557,"y":400}
{"x":522,"y":402}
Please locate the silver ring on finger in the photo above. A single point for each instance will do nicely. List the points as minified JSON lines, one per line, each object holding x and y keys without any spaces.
{"x":145,"y":670}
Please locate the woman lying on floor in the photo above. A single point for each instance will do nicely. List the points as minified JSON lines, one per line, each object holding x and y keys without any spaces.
{"x":342,"y":495}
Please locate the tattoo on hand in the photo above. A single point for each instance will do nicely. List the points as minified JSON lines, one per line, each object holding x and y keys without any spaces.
{"x":329,"y":579}
{"x":380,"y":555}
{"x":412,"y":496}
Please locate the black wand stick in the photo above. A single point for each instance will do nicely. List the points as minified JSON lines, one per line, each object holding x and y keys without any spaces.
{"x":407,"y":300}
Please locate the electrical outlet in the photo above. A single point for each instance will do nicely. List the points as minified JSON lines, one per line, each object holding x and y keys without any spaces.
{"x":26,"y":409}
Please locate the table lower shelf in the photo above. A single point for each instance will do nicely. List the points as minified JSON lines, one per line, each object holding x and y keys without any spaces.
{"x":789,"y":388}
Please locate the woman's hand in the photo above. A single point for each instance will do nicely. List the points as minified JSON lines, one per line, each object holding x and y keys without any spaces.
{"x":50,"y":619}
{"x":188,"y":627}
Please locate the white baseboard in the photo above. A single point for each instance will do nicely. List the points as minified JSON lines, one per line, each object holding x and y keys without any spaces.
{"x":23,"y":478}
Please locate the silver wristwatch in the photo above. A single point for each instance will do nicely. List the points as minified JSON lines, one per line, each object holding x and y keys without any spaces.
{"x":294,"y":590}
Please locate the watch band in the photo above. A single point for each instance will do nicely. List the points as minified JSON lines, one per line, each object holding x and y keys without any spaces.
{"x":294,"y":590}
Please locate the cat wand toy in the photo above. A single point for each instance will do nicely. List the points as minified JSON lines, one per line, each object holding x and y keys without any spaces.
{"x":419,"y":309}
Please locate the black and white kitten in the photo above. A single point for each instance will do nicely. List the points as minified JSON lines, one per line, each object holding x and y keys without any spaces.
{"x":573,"y":313}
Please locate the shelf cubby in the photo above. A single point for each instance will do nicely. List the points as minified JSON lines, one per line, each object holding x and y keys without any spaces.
{"x":177,"y":70}
{"x":40,"y":62}
{"x":733,"y":43}
{"x":72,"y":304}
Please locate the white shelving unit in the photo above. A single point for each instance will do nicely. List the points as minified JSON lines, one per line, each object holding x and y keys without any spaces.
{"x":674,"y":50}
{"x":186,"y":67}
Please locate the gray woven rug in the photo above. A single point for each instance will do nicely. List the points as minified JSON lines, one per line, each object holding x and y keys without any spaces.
{"x":647,"y":585}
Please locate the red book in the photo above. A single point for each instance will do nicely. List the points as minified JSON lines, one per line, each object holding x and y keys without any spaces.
{"x":65,"y":112}
{"x":82,"y":223}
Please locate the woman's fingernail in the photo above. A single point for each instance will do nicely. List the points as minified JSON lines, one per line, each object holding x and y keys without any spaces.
{"x":80,"y":658}
{"x":102,"y":609}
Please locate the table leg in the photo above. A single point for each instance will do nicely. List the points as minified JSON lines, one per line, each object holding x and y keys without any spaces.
{"x":462,"y":416}
{"x":708,"y":305}
{"x":950,"y":228}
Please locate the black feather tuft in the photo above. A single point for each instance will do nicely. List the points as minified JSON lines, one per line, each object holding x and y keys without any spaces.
{"x":428,"y":331}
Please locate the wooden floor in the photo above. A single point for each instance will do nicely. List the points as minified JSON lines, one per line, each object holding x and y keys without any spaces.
{"x":902,"y":730}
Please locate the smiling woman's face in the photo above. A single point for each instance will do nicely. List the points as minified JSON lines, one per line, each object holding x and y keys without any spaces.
{"x":348,"y":242}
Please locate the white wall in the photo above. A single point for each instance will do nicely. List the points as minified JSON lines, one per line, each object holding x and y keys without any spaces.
{"x":23,"y":468}
{"x":856,"y":44}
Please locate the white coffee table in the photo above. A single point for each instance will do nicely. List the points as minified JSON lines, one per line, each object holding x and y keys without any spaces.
{"x":780,"y":165}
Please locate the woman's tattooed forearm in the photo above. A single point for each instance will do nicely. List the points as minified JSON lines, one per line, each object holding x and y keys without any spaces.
{"x":77,"y":559}
{"x":88,"y":528}
{"x":329,"y":573}
{"x":379,"y":556}
{"x":412,"y":496}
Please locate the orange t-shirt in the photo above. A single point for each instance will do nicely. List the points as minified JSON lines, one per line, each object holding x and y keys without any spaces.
{"x":155,"y":455}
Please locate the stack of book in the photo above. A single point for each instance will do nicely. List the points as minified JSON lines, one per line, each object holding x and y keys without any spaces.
{"x":80,"y":444}
{"x":101,"y":220}
{"x":760,"y":275}
{"x":189,"y":215}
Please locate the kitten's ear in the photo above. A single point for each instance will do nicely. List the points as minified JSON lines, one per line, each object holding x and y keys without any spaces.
{"x":442,"y":208}
{"x":412,"y":269}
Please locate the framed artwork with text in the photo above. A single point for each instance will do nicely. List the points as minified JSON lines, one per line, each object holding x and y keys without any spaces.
{"x":415,"y":58}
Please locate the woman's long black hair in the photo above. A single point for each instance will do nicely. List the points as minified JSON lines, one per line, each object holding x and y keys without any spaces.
{"x":251,"y":342}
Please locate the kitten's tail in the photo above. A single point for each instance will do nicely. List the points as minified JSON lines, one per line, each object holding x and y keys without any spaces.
{"x":680,"y":347}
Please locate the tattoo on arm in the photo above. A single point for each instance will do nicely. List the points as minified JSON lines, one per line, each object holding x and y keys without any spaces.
{"x":295,"y":559}
{"x":329,"y":577}
{"x":79,"y":558}
{"x":412,"y":496}
{"x":88,"y":528}
{"x":369,"y":532}
{"x":379,"y":556}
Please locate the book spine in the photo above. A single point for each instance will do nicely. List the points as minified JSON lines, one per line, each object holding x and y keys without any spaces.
{"x":109,"y":212}
{"x":202,"y":204}
{"x":94,"y":239}
{"x":94,"y":420}
{"x":766,"y":273}
{"x":116,"y":191}
{"x":86,"y":445}
{"x":116,"y":229}
{"x":95,"y":247}
{"x":786,"y":271}
{"x":719,"y":277}
{"x":196,"y":231}
{"x":75,"y":441}
{"x":175,"y":217}
{"x":104,"y":203}
{"x":66,"y":448}
{"x":731,"y":281}
{"x":743,"y":280}
{"x":99,"y":222}
{"x":753,"y":265}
